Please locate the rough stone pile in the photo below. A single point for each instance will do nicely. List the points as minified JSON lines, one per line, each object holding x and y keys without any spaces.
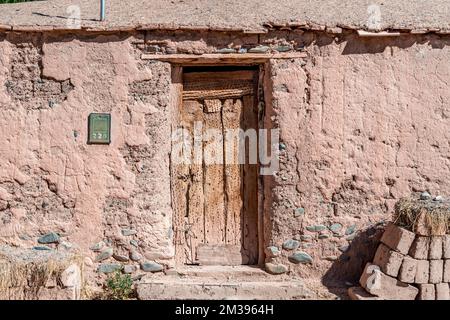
{"x":407,"y":266}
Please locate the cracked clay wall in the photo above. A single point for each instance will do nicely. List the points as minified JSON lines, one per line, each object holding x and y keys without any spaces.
{"x":51,"y":180}
{"x":363,"y":123}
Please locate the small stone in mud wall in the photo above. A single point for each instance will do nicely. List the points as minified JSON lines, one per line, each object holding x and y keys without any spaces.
{"x":128,"y":232}
{"x":151,"y":267}
{"x":259,"y":49}
{"x":276,"y":268}
{"x":323,"y":236}
{"x":130,"y":268}
{"x":291,"y":244}
{"x":350,"y":230}
{"x":108,"y":267}
{"x":121,"y":258}
{"x":51,"y":237}
{"x":105,"y":254}
{"x":135,"y":256}
{"x":336,"y":227}
{"x":41,"y":248}
{"x":306,"y":237}
{"x":299,"y":212}
{"x":97,"y":246}
{"x":316,"y":228}
{"x":300,"y":257}
{"x":134,"y":243}
{"x":272,"y":251}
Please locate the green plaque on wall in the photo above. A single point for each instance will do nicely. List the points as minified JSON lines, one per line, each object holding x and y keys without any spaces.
{"x":99,"y":128}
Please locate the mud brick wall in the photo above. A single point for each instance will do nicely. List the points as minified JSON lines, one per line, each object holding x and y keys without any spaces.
{"x":363,"y":122}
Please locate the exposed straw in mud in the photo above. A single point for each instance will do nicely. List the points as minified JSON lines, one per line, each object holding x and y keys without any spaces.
{"x":433,"y":215}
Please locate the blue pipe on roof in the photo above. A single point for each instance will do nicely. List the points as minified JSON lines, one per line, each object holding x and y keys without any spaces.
{"x":102,"y":10}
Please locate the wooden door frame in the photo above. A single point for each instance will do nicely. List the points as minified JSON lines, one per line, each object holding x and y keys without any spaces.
{"x":261,"y":96}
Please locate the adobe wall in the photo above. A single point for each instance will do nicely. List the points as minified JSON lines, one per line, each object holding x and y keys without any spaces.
{"x":362,"y":121}
{"x":50,"y":179}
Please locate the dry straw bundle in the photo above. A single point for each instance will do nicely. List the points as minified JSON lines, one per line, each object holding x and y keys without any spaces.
{"x":424,"y":217}
{"x":28,"y":270}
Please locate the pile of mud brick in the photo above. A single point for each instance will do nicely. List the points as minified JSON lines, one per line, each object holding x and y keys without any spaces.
{"x":406,"y":266}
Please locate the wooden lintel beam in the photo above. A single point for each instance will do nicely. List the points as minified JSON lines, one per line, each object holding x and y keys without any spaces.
{"x":222,"y":58}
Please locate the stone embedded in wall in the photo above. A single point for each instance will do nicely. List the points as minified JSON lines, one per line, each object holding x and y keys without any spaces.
{"x":274,"y":268}
{"x":350,"y":230}
{"x":300,"y":257}
{"x":104,"y":254}
{"x":272,"y":252}
{"x":135,"y":256}
{"x":128,"y":232}
{"x":335,"y":227}
{"x":298,"y":212}
{"x":109,"y":267}
{"x":120,"y":257}
{"x":291,"y":244}
{"x":316,"y":228}
{"x":97,"y":246}
{"x":130,"y":268}
{"x":149,"y":266}
{"x":51,"y":237}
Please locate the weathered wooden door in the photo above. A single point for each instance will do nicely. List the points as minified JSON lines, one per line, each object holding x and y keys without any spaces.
{"x":215,"y":192}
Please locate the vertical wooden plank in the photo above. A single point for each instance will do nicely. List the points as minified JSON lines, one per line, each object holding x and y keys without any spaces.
{"x":183,"y":182}
{"x":178,"y":185}
{"x":213,"y":183}
{"x":196,"y":217}
{"x":231,"y":114}
{"x":250,"y":188}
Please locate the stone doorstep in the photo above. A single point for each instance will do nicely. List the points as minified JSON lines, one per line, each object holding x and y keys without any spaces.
{"x":193,"y":289}
{"x":218,"y":272}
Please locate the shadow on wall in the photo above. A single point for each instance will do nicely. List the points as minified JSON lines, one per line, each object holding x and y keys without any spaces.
{"x":361,"y":45}
{"x":349,"y":266}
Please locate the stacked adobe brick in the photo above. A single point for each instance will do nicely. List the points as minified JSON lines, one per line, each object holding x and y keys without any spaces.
{"x":407,"y":266}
